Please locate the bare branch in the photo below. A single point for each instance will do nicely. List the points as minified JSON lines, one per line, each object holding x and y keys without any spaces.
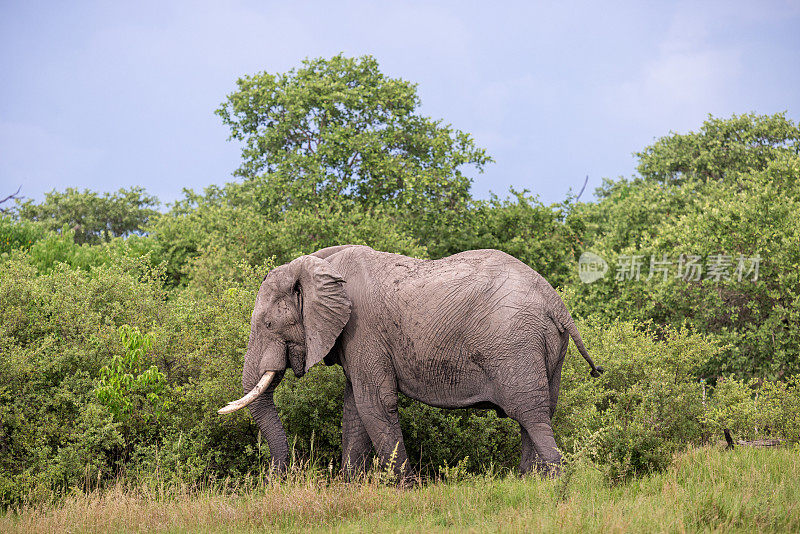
{"x":356,"y":157}
{"x":582,"y":188}
{"x":13,"y":196}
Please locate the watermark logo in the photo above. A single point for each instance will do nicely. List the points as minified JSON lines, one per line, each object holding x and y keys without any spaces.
{"x":687,"y":267}
{"x":591,"y":267}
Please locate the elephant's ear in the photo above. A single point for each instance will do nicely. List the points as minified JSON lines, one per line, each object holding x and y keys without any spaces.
{"x":325,"y":306}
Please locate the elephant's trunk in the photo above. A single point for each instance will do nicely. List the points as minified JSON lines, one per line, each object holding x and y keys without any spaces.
{"x":264,"y":366}
{"x":265,"y":414}
{"x":262,"y":407}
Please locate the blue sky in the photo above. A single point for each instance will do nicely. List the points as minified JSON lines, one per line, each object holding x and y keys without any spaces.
{"x":108,"y":95}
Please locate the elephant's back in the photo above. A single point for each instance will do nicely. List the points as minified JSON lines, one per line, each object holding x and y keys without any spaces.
{"x":473,"y":275}
{"x":399,"y":268}
{"x":477,"y":285}
{"x":491,"y":260}
{"x":478,"y":294}
{"x":481,"y":271}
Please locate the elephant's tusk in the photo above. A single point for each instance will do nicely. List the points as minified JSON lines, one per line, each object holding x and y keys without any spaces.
{"x":262,"y":385}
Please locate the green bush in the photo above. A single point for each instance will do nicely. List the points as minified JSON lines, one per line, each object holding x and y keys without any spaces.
{"x":645,"y":407}
{"x":472,"y":439}
{"x":134,"y":395}
{"x":57,"y":330}
{"x":755,"y":409}
{"x":18,"y":235}
{"x":311,"y":412}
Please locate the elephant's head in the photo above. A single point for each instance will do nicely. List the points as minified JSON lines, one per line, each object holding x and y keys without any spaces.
{"x":300,"y":310}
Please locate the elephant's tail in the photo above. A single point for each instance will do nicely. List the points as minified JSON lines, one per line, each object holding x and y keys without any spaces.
{"x":564,"y":318}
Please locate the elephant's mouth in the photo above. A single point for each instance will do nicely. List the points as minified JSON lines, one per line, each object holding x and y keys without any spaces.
{"x":259,"y":388}
{"x":296,"y":354}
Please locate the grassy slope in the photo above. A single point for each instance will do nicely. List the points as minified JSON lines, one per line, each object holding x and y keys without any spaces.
{"x":705,"y":490}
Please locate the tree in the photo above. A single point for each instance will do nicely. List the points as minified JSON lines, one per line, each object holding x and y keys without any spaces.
{"x":92,"y":216}
{"x":339,"y":131}
{"x":726,"y":194}
{"x":12,"y":196}
{"x":721,"y":149}
{"x":334,"y":152}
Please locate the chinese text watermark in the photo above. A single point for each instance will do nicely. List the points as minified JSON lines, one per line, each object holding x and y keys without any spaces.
{"x":687,"y":267}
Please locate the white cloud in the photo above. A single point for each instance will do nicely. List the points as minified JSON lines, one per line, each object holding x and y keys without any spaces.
{"x":688,"y":78}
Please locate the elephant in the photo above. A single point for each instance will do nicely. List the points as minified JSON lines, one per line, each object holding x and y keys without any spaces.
{"x":477,"y":329}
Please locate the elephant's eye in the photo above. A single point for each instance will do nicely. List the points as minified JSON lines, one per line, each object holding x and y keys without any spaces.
{"x":269,"y":324}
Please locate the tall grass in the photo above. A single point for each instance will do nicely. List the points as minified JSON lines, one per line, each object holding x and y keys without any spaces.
{"x":705,"y":489}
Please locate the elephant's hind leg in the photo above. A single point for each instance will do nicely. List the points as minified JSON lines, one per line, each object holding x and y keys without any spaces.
{"x":547,"y":456}
{"x":528,"y":453}
{"x":556,"y":345}
{"x":539,"y":448}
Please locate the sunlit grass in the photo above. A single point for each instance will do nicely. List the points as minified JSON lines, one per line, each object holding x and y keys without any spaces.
{"x":707,"y":489}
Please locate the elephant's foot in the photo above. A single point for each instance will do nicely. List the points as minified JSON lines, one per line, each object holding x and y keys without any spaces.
{"x":549,"y":469}
{"x":278,"y":469}
{"x":410,"y":481}
{"x":539,"y":450}
{"x":543,"y":469}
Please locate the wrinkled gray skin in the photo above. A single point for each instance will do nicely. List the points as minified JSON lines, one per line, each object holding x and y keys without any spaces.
{"x":477,"y":329}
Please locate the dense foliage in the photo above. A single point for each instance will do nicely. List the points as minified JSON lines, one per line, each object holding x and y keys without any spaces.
{"x":93,"y":217}
{"x":122,"y":330}
{"x":727,"y":204}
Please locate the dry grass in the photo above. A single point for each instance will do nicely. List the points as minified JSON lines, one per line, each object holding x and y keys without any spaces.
{"x":707,"y":489}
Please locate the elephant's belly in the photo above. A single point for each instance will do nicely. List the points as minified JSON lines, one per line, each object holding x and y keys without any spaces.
{"x":446,"y":388}
{"x":449,"y":400}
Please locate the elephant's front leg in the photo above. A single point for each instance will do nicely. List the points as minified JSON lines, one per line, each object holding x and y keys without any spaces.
{"x":376,"y":402}
{"x":356,"y":444}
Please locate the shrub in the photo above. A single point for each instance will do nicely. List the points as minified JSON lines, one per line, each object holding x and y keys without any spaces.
{"x":754,"y":409}
{"x":57,"y":330}
{"x":135,"y":396}
{"x":644,"y":408}
{"x":18,"y":235}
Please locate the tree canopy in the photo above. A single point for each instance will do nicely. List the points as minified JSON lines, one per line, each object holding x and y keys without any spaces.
{"x":722,"y":149}
{"x":338,"y":129}
{"x":93,"y":217}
